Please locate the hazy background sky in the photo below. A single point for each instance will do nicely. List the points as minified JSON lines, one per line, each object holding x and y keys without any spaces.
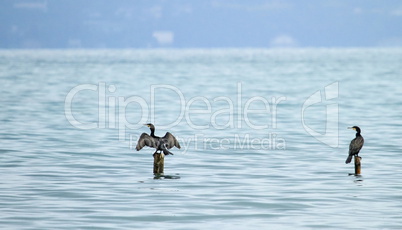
{"x":199,"y":23}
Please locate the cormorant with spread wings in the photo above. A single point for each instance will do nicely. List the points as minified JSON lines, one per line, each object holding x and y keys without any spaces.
{"x":159,"y":143}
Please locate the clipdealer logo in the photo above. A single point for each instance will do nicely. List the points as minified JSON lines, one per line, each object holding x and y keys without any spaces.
{"x":328,"y":98}
{"x":238,"y":113}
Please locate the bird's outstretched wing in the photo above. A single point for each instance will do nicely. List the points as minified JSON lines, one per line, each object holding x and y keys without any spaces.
{"x":170,"y":141}
{"x":145,"y":140}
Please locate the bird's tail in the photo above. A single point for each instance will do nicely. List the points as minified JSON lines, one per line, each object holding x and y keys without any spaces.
{"x":349,"y":159}
{"x":166,"y":151}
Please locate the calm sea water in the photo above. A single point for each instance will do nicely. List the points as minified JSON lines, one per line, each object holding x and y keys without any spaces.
{"x":263,"y":132}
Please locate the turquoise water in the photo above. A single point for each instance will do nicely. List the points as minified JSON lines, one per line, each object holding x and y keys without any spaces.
{"x":263,"y":132}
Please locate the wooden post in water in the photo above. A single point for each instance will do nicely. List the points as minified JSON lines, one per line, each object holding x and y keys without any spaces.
{"x":357,"y":165}
{"x":159,"y":161}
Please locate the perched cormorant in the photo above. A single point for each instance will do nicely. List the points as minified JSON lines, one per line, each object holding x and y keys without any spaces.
{"x":355,"y":145}
{"x":159,"y":143}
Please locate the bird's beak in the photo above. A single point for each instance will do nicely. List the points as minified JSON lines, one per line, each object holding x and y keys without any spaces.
{"x":351,"y":128}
